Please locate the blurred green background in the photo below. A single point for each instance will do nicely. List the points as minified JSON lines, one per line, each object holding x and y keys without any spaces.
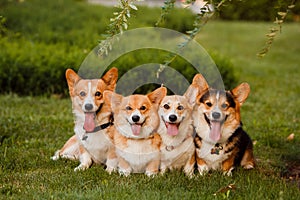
{"x":40,"y":39}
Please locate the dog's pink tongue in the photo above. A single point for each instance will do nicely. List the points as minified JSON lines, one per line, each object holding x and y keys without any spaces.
{"x":89,"y":122}
{"x":172,"y":129}
{"x":215,"y":132}
{"x":136,"y":129}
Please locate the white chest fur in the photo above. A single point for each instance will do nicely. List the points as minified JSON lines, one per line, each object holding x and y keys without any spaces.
{"x":212,"y":155}
{"x":97,"y":144}
{"x":138,"y":154}
{"x":179,"y":155}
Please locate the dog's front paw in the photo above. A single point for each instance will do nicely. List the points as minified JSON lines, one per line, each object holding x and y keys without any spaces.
{"x":111,"y":165}
{"x":163,"y":170}
{"x":189,"y":174}
{"x":248,"y":166}
{"x":229,"y":172}
{"x":202,"y":169}
{"x":124,"y":172}
{"x":151,"y":174}
{"x":189,"y":171}
{"x":56,"y":155}
{"x":110,"y":170}
{"x":81,"y":167}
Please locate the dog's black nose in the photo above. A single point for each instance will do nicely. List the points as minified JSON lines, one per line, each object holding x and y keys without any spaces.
{"x":135,"y":118}
{"x":88,"y":106}
{"x":172,"y":118}
{"x":216,"y":115}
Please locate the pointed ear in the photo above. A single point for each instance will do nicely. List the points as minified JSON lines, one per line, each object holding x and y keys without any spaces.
{"x":200,"y":82}
{"x":241,"y":92}
{"x":191,"y":94}
{"x":157,"y":95}
{"x":112,"y":99}
{"x":72,"y":78}
{"x":110,"y":78}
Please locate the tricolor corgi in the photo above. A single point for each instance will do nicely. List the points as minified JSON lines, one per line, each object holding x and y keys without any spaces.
{"x":136,"y":121}
{"x":91,"y":142}
{"x":176,"y":131}
{"x":221,"y":143}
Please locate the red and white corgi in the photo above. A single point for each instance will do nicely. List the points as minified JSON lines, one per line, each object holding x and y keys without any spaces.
{"x":91,"y":142}
{"x":221,"y":143}
{"x":176,"y":131}
{"x":134,"y":132}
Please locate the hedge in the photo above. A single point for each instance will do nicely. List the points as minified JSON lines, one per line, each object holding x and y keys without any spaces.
{"x":262,"y":10}
{"x":41,"y":39}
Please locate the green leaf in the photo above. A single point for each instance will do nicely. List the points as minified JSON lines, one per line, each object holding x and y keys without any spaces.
{"x":282,"y":14}
{"x":133,"y":6}
{"x":125,"y":26}
{"x":291,"y":6}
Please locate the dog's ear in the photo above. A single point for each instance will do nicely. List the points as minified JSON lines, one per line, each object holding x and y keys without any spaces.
{"x":112,"y":99}
{"x":191,"y":94}
{"x":200,"y":82}
{"x":157,"y":95}
{"x":110,"y":78}
{"x":241,"y":92}
{"x":72,"y":78}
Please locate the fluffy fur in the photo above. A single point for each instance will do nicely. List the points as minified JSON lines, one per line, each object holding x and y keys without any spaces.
{"x":221,"y":143}
{"x":134,"y":133}
{"x":91,"y":142}
{"x":176,"y":131}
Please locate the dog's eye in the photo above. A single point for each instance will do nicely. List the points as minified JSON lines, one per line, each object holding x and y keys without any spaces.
{"x":98,"y":94}
{"x":166,"y":106}
{"x":82,"y":93}
{"x":208,"y":104}
{"x":180,"y":107}
{"x":128,"y":108}
{"x":224,"y":105}
{"x":143,"y":108}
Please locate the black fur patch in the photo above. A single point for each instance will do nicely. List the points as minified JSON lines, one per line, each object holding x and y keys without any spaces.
{"x":230,"y":99}
{"x":240,"y":140}
{"x":213,"y":92}
{"x":197,"y":141}
{"x":206,"y":95}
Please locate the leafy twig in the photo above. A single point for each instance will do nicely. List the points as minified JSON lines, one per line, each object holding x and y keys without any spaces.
{"x":203,"y":16}
{"x":165,"y":10}
{"x":280,"y":19}
{"x":117,"y":24}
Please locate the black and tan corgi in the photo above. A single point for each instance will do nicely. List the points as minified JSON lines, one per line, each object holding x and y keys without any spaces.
{"x":221,"y":143}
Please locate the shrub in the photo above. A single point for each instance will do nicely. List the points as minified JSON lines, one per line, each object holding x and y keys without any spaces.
{"x":262,"y":10}
{"x":37,"y":47}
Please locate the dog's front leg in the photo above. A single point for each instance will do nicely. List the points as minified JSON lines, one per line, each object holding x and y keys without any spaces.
{"x":124,"y":167}
{"x":202,"y":166}
{"x":112,"y":160}
{"x":85,"y":159}
{"x":189,"y":166}
{"x":152,"y":168}
{"x":228,"y":165}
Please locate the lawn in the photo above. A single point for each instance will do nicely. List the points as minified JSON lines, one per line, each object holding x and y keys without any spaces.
{"x":32,"y":128}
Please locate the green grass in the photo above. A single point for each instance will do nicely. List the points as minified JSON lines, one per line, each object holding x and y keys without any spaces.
{"x":32,"y":128}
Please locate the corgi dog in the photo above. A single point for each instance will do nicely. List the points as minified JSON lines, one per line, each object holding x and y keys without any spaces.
{"x":176,"y":131}
{"x":91,"y":142}
{"x":221,"y":143}
{"x":136,"y":121}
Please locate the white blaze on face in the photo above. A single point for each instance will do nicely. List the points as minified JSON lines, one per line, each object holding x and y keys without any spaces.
{"x":89,"y":98}
{"x":89,"y":122}
{"x":215,"y":132}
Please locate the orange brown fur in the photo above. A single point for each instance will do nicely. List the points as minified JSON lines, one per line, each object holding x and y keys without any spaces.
{"x":136,"y":142}
{"x":94,"y":146}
